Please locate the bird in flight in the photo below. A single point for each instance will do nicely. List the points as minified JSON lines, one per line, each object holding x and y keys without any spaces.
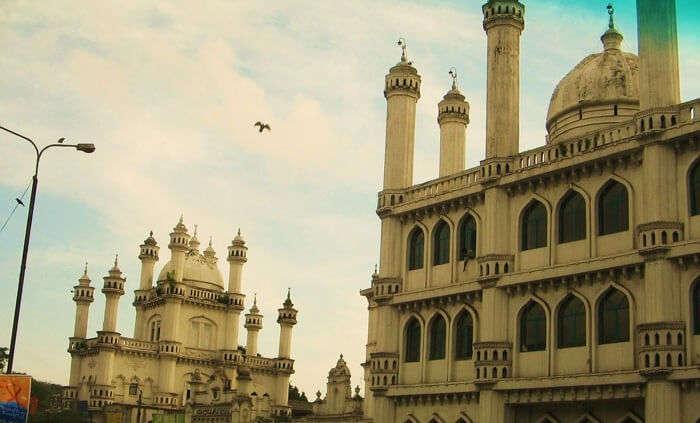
{"x":19,"y":202}
{"x":262,"y":126}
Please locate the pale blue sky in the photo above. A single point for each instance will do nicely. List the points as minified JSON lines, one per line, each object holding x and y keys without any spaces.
{"x":168,"y":93}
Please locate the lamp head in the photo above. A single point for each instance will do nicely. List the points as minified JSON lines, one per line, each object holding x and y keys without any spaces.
{"x":85,"y":148}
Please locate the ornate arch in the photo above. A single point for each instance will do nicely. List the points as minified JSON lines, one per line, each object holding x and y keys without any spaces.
{"x":630,"y":415}
{"x":534,"y":197}
{"x":548,"y":418}
{"x":630,"y":200}
{"x":690,"y":195}
{"x":464,"y":418}
{"x":436,"y":418}
{"x":555,"y":314}
{"x":588,"y":418}
{"x":556,"y":210}
{"x":548,"y":320}
{"x":630,"y":301}
{"x":408,"y":245}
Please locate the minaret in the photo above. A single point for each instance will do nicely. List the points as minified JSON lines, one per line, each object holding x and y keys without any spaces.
{"x":503,"y":23}
{"x":402,"y":91}
{"x":237,"y":257}
{"x":108,"y":337}
{"x":659,"y":82}
{"x":453,"y":117}
{"x":179,"y":245}
{"x":149,"y":256}
{"x":287,"y":319}
{"x":113,"y":290}
{"x":253,"y":323}
{"x":83,"y":297}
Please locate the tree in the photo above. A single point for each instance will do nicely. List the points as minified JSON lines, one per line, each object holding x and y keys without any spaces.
{"x":3,"y":358}
{"x":294,"y":393}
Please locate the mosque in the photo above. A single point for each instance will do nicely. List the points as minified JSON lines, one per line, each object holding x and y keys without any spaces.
{"x":558,"y":284}
{"x":184,"y":357}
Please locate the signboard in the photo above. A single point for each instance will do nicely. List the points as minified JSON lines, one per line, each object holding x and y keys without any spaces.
{"x":15,"y":392}
{"x":169,"y":418}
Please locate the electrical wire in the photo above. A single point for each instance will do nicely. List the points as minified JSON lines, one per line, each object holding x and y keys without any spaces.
{"x":17,"y":203}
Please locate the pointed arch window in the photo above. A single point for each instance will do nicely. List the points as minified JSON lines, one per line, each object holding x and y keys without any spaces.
{"x":613,"y":209}
{"x":415,"y":249}
{"x":694,"y":187}
{"x":534,"y":226}
{"x":441,"y":249}
{"x":438,"y":332}
{"x":613,"y":318}
{"x":467,"y":237}
{"x":696,"y":308}
{"x":533,"y":332}
{"x":572,"y":218}
{"x":571,"y":323}
{"x":412,"y":342}
{"x":464,"y":336}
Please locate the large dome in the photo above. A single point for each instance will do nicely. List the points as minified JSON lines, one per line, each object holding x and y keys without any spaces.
{"x":199,"y":270}
{"x":603,"y":89}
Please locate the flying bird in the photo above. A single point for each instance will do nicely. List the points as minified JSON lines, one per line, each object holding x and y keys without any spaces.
{"x":19,"y":202}
{"x":60,"y":140}
{"x":262,"y":126}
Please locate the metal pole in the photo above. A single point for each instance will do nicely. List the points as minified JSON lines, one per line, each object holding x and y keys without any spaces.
{"x":23,"y":267}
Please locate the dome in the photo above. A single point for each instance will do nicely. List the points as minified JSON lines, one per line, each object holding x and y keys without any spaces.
{"x":198,"y":270}
{"x":603,"y":89}
{"x":340,"y":370}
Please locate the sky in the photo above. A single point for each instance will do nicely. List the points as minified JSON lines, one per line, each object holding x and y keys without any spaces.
{"x":168,"y":91}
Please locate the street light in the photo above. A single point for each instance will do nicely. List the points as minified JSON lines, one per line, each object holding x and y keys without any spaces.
{"x":85,"y":148}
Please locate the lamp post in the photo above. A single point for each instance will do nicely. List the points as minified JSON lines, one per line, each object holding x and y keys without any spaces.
{"x":86,"y":148}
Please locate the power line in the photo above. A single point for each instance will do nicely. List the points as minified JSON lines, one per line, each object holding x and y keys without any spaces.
{"x":18,"y":202}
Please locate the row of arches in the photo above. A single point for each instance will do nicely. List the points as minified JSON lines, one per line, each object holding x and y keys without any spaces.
{"x":613,"y":326}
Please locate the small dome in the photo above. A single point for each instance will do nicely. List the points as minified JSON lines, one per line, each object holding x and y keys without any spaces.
{"x":199,"y":270}
{"x":603,"y":89}
{"x":150,"y":241}
{"x":341,"y":368}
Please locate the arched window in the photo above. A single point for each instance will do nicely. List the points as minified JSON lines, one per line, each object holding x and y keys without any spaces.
{"x":155,"y":330}
{"x":572,"y":218}
{"x":412,"y":354}
{"x":694,"y":187}
{"x":464,"y":336}
{"x":696,"y":309}
{"x":571,"y":323}
{"x":613,"y":318}
{"x":441,"y":243}
{"x":613,"y":209}
{"x":533,"y":325}
{"x":415,"y":249}
{"x":534,"y":226}
{"x":438,"y":333}
{"x":467,"y":237}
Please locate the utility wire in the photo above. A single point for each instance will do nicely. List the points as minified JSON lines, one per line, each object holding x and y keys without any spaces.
{"x":17,"y":204}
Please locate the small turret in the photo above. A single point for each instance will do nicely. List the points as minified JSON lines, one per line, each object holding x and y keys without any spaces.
{"x":113,"y":290}
{"x":287,"y":319}
{"x":453,"y":117}
{"x":253,"y":324}
{"x":237,"y":256}
{"x":179,"y":245}
{"x":209,"y":253}
{"x":612,"y":38}
{"x":194,"y":241}
{"x":148,"y":257}
{"x":83,"y":297}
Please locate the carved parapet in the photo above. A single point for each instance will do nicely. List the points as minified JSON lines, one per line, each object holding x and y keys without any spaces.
{"x":655,"y":234}
{"x":651,"y":121}
{"x":493,"y":361}
{"x":101,"y":395}
{"x":384,"y":363}
{"x":387,"y":199}
{"x":494,"y":168}
{"x":494,"y":265}
{"x":284,"y":365}
{"x":384,"y":288}
{"x":281,"y":410}
{"x":108,"y":339}
{"x":166,"y":399}
{"x":230,"y":357}
{"x":660,"y":346}
{"x":169,"y":348}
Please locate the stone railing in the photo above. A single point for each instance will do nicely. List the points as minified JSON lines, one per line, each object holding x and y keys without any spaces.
{"x":199,"y":354}
{"x":260,"y":362}
{"x":131,"y":343}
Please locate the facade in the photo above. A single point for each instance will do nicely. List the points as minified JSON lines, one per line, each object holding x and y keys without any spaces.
{"x":559,"y":284}
{"x":339,"y":405}
{"x":184,"y":356}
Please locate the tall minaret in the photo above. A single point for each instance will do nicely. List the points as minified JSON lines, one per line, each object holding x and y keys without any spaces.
{"x":179,"y":245}
{"x":253,"y":323}
{"x":287,"y":319}
{"x":503,"y":23}
{"x":659,"y":82}
{"x":113,"y":290}
{"x":237,"y":257}
{"x":83,"y":297}
{"x":453,"y":117}
{"x":149,"y":256}
{"x":402,"y":91}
